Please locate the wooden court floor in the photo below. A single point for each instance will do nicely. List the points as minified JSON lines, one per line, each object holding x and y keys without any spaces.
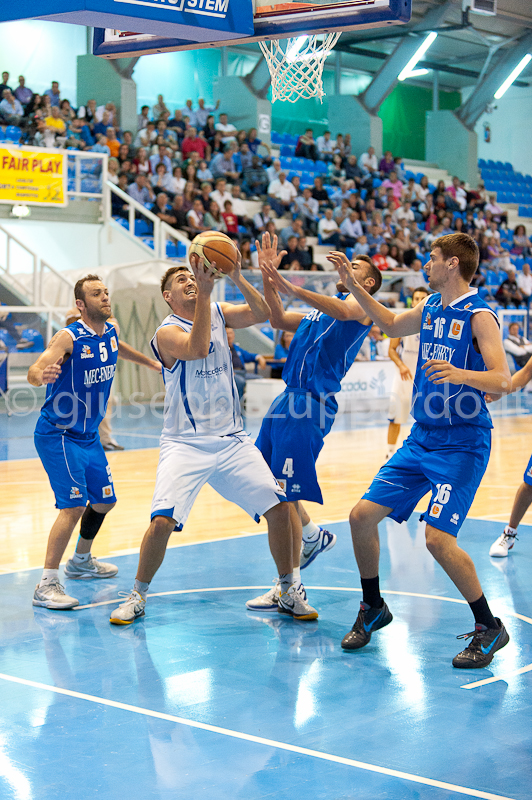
{"x":347,"y":464}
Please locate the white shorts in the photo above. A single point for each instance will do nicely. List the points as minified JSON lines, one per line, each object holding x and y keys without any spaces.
{"x":232,"y":465}
{"x":400,"y":401}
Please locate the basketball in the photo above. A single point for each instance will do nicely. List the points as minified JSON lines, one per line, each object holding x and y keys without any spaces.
{"x":216,"y":247}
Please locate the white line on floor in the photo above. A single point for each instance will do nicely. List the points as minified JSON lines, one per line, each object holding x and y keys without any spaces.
{"x":259,"y":740}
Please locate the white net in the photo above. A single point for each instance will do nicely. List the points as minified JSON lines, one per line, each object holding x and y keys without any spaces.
{"x":297,"y":70}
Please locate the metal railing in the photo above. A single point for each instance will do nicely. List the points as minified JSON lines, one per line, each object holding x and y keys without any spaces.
{"x":87,"y":175}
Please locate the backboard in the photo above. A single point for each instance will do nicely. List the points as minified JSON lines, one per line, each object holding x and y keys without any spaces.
{"x":272,"y":19}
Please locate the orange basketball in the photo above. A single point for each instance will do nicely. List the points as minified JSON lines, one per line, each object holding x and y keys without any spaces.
{"x":215,"y":247}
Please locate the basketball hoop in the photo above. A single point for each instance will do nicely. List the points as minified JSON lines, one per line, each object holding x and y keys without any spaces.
{"x":296,"y":72}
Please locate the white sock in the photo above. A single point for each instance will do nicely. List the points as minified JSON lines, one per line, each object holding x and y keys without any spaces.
{"x":48,"y":575}
{"x":310,"y":531}
{"x":141,"y":588}
{"x":286,"y":581}
{"x":510,"y":531}
{"x":81,"y":558}
{"x":296,"y":572}
{"x":392,"y":448}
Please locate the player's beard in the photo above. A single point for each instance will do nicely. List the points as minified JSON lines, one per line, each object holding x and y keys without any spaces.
{"x":98,"y":315}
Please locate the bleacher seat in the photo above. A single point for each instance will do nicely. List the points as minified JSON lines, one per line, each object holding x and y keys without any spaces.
{"x":142,"y":227}
{"x":12,"y":133}
{"x":287,"y":150}
{"x":376,"y":183}
{"x":419,"y":176}
{"x":121,"y":221}
{"x":276,"y":138}
{"x":34,"y":336}
{"x":321,"y":167}
{"x":148,"y":240}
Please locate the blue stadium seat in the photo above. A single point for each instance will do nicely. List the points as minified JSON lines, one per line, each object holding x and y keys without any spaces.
{"x":299,"y":163}
{"x":142,"y":227}
{"x":148,"y":240}
{"x":287,"y":162}
{"x":376,"y":183}
{"x":276,"y":138}
{"x":34,"y":336}
{"x":2,"y":135}
{"x":321,"y":167}
{"x":121,"y":221}
{"x":171,"y":249}
{"x":12,"y":133}
{"x":181,"y":249}
{"x":409,"y":174}
{"x":419,"y":175}
{"x":287,"y":150}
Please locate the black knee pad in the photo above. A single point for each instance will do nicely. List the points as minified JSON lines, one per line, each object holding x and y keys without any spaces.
{"x":91,"y":522}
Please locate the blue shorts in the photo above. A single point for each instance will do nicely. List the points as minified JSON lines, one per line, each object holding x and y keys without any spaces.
{"x":527,"y":477}
{"x":291,"y":438}
{"x":448,"y":462}
{"x":76,"y":466}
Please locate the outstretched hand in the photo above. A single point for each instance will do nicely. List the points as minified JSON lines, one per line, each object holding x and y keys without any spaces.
{"x":275,"y":279}
{"x":268,"y":251}
{"x":344,"y":268}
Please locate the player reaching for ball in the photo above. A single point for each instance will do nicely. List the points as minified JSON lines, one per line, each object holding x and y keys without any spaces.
{"x":203,"y":440}
{"x":324,"y":346}
{"x":461,"y":357}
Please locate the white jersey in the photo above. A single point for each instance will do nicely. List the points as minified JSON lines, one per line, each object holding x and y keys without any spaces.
{"x":201,"y":396}
{"x":401,"y":396}
{"x":409,"y":351}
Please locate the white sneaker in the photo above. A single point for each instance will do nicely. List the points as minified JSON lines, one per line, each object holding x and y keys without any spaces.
{"x":501,"y":547}
{"x":310,"y":550}
{"x":89,"y":569}
{"x":268,"y":601}
{"x":52,"y":595}
{"x":128,"y":612}
{"x":294,"y":602}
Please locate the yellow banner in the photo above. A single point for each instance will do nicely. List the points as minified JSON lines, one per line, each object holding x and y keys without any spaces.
{"x":32,"y":176}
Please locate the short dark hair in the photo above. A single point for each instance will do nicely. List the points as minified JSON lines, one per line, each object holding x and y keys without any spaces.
{"x":464,"y":248}
{"x":79,"y":291}
{"x":169,"y":274}
{"x":371,"y":272}
{"x":421,"y":289}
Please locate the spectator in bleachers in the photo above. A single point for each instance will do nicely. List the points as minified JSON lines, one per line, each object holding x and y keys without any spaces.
{"x":306,"y":146}
{"x":140,"y":190}
{"x":375,"y":238}
{"x":508,"y":291}
{"x":66,"y":110}
{"x":282,"y":194}
{"x":351,"y":229}
{"x":4,"y":84}
{"x":141,"y":162}
{"x":392,"y":182}
{"x":179,"y":213}
{"x":524,"y":283}
{"x":54,"y":94}
{"x":328,"y":230}
{"x":387,"y":165}
{"x":403,"y":212}
{"x":195,"y":143}
{"x":368,"y":162}
{"x":254,"y":143}
{"x":305,"y":252}
{"x":231,"y":220}
{"x":214,"y":220}
{"x":162,"y":181}
{"x":339,"y":146}
{"x":145,"y":136}
{"x":335,"y":172}
{"x":520,"y":242}
{"x":203,"y":173}
{"x":221,"y":192}
{"x":416,"y":279}
{"x":112,"y":142}
{"x":295,"y":180}
{"x":262,"y":218}
{"x":320,"y":194}
{"x":325,"y":146}
{"x":292,"y":254}
{"x":142,"y":119}
{"x":118,"y":207}
{"x":354,"y":172}
{"x":518,"y":346}
{"x":22,"y":93}
{"x":162,"y":157}
{"x":401,"y":174}
{"x":113,"y":168}
{"x":203,"y":111}
{"x":295,"y":229}
{"x":255,"y":179}
{"x":196,"y":218}
{"x":159,"y":108}
{"x":205,"y":195}
{"x":227,"y":129}
{"x":162,"y":209}
{"x":307,"y":207}
{"x":361,"y":247}
{"x":11,"y":111}
{"x":238,"y":206}
{"x":243,"y":158}
{"x":498,"y":214}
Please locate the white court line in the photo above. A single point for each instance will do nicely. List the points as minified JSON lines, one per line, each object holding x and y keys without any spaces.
{"x":473,"y":685}
{"x":260,"y":740}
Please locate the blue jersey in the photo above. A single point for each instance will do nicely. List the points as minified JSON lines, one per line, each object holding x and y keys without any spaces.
{"x":77,"y":401}
{"x":446,"y":335}
{"x":321,"y":352}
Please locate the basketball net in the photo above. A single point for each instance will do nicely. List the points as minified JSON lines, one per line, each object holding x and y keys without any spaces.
{"x":297,"y":71}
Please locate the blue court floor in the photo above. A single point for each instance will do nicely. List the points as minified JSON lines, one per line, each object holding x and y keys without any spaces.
{"x":203,"y":699}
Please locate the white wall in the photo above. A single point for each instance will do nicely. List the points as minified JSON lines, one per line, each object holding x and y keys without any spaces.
{"x":511,"y":130}
{"x":43,"y":52}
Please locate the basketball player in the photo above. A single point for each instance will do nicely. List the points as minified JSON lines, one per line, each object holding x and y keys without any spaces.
{"x":447,"y":452}
{"x":203,"y":440}
{"x":77,"y":368}
{"x":325,"y":343}
{"x":403,"y":382}
{"x":506,"y":541}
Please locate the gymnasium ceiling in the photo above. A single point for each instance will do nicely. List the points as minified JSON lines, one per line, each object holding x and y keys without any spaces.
{"x":464,"y":51}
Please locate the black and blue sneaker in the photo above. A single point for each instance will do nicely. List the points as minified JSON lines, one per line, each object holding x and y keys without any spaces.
{"x":485,"y":643}
{"x":368,"y":621}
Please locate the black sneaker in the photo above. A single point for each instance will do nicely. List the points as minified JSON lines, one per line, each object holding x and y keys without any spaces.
{"x":486,"y":642}
{"x":369,"y":620}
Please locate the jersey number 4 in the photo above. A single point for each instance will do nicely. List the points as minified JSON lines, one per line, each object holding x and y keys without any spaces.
{"x":288,"y":468}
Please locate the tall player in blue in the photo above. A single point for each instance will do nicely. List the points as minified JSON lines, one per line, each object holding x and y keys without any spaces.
{"x":77,"y":368}
{"x":325,"y":344}
{"x":461,"y":358}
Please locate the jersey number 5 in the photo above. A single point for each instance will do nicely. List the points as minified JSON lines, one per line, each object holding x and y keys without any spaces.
{"x":103,"y":352}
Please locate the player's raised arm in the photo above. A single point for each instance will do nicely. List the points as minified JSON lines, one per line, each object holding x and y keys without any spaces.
{"x":279,"y":318}
{"x":254,"y":310}
{"x":393,"y":325}
{"x":496,"y":379}
{"x":174,"y":343}
{"x":47,"y":368}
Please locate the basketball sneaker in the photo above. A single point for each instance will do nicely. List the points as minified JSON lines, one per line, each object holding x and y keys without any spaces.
{"x":485,"y":643}
{"x":309,"y":550}
{"x":368,"y":621}
{"x":268,"y":601}
{"x":294,"y":602}
{"x":89,"y":569}
{"x":53,"y":595}
{"x":128,"y":612}
{"x":502,"y":546}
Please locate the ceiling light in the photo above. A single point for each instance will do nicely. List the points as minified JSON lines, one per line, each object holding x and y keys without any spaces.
{"x":512,"y":76}
{"x":418,"y":55}
{"x":20,"y":210}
